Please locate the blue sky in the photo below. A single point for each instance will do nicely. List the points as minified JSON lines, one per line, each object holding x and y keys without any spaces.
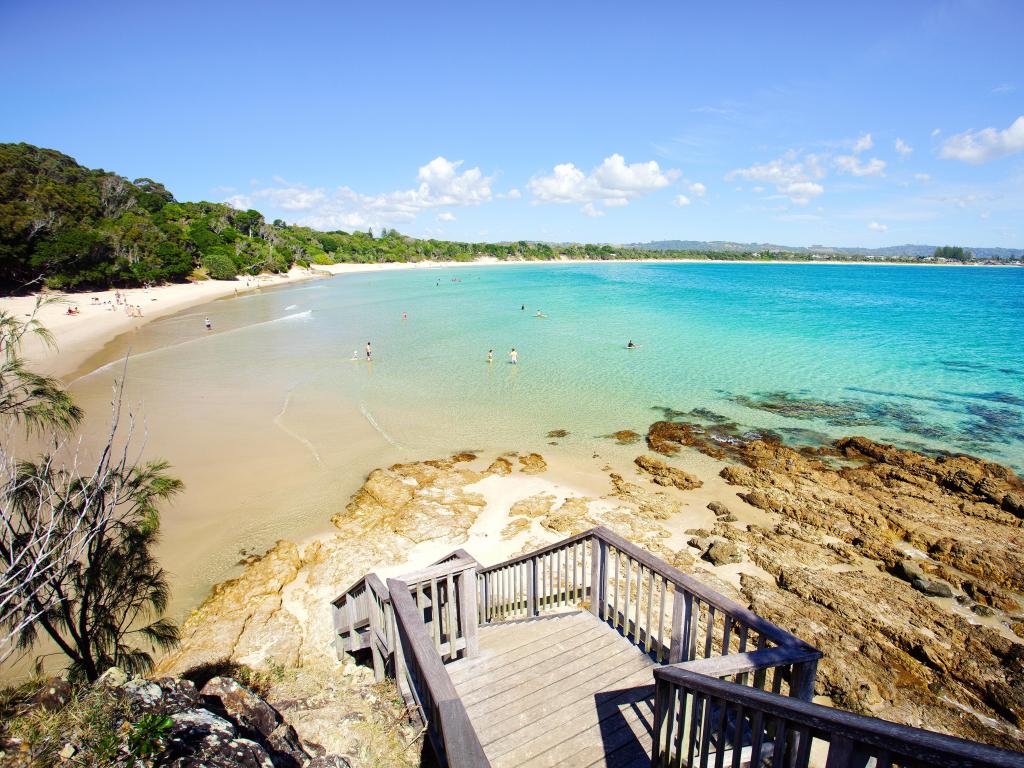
{"x":799,"y":123}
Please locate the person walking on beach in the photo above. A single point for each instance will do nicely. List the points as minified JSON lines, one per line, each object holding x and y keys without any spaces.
{"x":369,"y":351}
{"x":208,"y":324}
{"x":515,"y":356}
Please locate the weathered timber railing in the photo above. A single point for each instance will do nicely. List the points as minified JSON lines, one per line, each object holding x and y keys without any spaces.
{"x":451,"y":734}
{"x":445,"y":595}
{"x":667,"y":614}
{"x":703,"y":721}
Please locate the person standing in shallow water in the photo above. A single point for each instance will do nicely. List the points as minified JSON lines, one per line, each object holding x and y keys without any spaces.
{"x":514,"y":356}
{"x":369,"y":351}
{"x":490,"y":356}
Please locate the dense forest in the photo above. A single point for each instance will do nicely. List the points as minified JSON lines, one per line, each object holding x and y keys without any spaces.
{"x":68,"y":227}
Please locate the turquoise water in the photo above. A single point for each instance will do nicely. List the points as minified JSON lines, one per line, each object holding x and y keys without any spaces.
{"x":272,"y":426}
{"x":924,"y":357}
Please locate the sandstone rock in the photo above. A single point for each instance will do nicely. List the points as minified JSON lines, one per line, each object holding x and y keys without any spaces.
{"x":723,"y":553}
{"x":982,"y":610}
{"x":718,"y":508}
{"x":662,"y":474}
{"x":1014,"y":504}
{"x":625,"y":436}
{"x":682,"y":560}
{"x":653,"y":506}
{"x":537,"y":505}
{"x":933,"y":587}
{"x":500,"y":466}
{"x":114,"y":677}
{"x":514,"y":527}
{"x":532,"y":464}
{"x":558,"y":433}
{"x":909,"y":570}
{"x":67,"y":752}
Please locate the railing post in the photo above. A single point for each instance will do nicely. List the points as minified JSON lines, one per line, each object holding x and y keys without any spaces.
{"x":682,"y":607}
{"x":531,"y":588}
{"x":467,"y":611}
{"x":350,"y":610}
{"x":804,"y":675}
{"x":375,"y":628}
{"x":596,"y":581}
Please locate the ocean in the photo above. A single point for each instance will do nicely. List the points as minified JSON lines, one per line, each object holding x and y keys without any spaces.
{"x":273,"y":425}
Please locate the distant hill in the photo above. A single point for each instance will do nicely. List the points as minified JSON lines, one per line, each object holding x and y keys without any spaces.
{"x":897,"y":251}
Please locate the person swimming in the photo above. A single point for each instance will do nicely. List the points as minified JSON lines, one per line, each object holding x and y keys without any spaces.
{"x":540,"y":314}
{"x":631,"y":345}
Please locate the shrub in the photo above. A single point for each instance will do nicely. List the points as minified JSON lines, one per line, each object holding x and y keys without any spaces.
{"x":219,"y":266}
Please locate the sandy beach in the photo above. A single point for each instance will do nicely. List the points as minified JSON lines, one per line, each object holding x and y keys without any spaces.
{"x":100,"y":318}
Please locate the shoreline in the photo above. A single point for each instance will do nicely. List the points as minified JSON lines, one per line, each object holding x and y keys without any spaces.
{"x":78,"y":337}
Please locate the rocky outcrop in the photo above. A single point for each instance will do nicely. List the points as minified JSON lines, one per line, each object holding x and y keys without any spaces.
{"x":663,"y":474}
{"x":864,"y":557}
{"x":533,"y":464}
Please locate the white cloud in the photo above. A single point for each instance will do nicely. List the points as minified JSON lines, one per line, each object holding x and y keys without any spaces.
{"x":863,"y":144}
{"x":1004,"y":88}
{"x":681,"y":201}
{"x":987,"y":144}
{"x":757,"y":190}
{"x":590,"y":210}
{"x":441,"y":183}
{"x":512,"y":194}
{"x":613,"y":180}
{"x":794,"y":177}
{"x":615,"y":202}
{"x":874,"y":226}
{"x":852,"y":165}
{"x":697,"y":189}
{"x":936,"y":132}
{"x":446,"y":216}
{"x":903,"y":148}
{"x":924,"y":178}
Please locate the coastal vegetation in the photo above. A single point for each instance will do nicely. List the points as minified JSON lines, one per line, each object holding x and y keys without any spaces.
{"x":67,"y":227}
{"x":76,"y":537}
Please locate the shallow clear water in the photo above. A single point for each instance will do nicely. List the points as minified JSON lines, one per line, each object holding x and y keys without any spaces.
{"x":273,"y":426}
{"x":926,"y":357}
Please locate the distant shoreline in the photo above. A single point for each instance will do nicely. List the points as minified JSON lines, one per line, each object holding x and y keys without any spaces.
{"x":80,"y":336}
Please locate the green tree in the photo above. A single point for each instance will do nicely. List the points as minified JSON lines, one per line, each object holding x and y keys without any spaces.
{"x":76,"y":546}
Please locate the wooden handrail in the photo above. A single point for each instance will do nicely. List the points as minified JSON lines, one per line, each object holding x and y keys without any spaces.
{"x":850,"y":735}
{"x":437,"y":571}
{"x":689,"y":584}
{"x":741,"y":663}
{"x":542,"y":551}
{"x":445,"y":716}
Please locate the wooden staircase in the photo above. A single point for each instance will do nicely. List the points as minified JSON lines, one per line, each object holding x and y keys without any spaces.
{"x":594,"y":652}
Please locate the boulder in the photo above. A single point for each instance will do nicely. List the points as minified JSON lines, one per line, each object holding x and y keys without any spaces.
{"x":982,"y":610}
{"x":908,"y":570}
{"x":500,"y":466}
{"x":933,"y":587}
{"x":723,"y":553}
{"x":662,"y":474}
{"x":114,"y":677}
{"x":532,"y":464}
{"x":719,"y":509}
{"x":145,"y":694}
{"x":558,"y":433}
{"x":251,"y":713}
{"x":625,"y":436}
